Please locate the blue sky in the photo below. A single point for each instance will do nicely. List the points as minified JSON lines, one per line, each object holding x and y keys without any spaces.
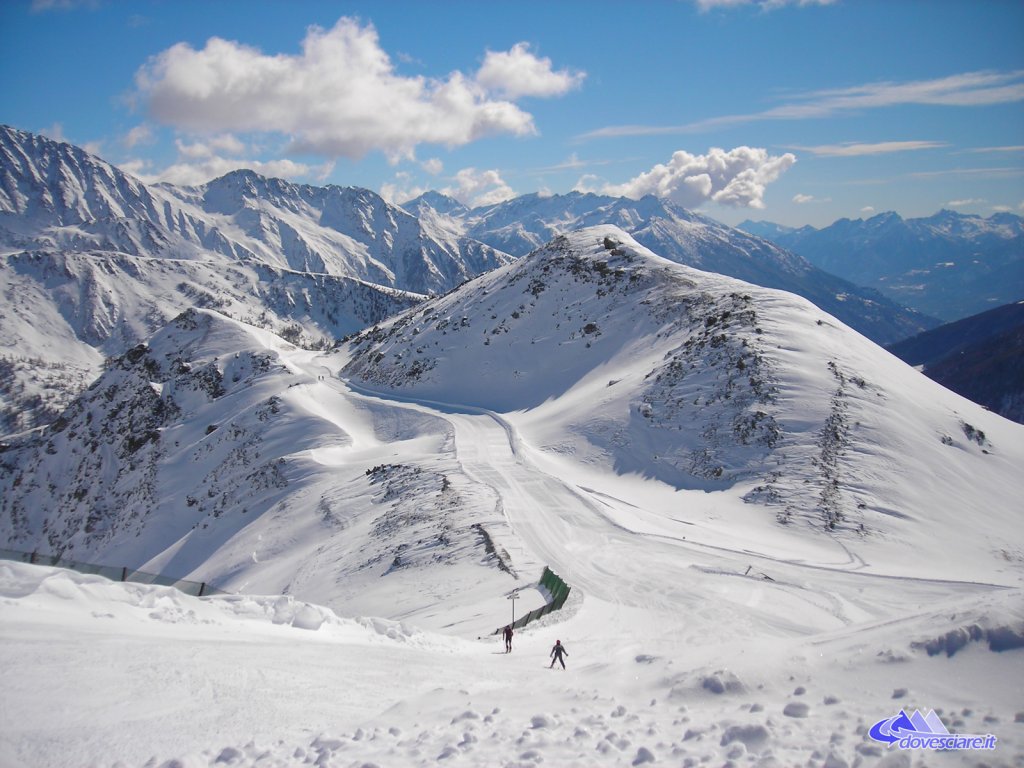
{"x":794,"y":111}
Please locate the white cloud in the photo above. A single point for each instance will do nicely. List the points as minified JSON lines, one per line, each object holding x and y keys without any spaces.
{"x":41,"y":6}
{"x":474,"y":188}
{"x":736,"y":178}
{"x":194,"y":168}
{"x":982,"y":150}
{"x":140,"y":134}
{"x":470,"y":186}
{"x":55,"y":132}
{"x":868,"y":210}
{"x":768,"y":5}
{"x":433,"y":166}
{"x":802,"y":199}
{"x":226,"y":143}
{"x":851,"y":149}
{"x":341,"y":96}
{"x":965,"y":203}
{"x":517,"y":72}
{"x":970,"y":89}
{"x":402,"y":190}
{"x":571,"y":163}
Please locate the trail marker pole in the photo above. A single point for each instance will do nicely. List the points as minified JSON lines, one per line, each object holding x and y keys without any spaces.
{"x":513,"y":597}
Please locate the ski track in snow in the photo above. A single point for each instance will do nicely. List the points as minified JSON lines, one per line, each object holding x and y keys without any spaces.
{"x":700,"y":631}
{"x":693,"y":659}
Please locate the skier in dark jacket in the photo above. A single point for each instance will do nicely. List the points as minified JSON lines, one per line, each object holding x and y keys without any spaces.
{"x":556,"y":654}
{"x":508,"y":638}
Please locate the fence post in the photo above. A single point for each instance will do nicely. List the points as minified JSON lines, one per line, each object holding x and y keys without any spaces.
{"x":124,"y":573}
{"x":201,"y":588}
{"x":32,"y":559}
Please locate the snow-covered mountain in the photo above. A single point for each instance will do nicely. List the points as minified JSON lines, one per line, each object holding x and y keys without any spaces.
{"x":980,"y":357}
{"x":94,"y":261}
{"x":217,"y":445}
{"x":776,"y":533}
{"x":524,"y":223}
{"x":630,"y":363}
{"x":949,"y":265}
{"x":57,"y":196}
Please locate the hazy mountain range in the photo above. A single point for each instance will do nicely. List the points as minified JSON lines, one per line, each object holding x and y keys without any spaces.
{"x":949,"y":265}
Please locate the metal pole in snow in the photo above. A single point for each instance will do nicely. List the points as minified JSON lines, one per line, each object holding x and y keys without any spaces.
{"x":513,"y":597}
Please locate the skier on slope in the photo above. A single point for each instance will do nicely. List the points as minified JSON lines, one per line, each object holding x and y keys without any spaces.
{"x":508,"y":638}
{"x":556,"y":654}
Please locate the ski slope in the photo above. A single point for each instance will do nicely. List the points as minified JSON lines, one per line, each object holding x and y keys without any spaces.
{"x":677,"y":654}
{"x":701,"y":630}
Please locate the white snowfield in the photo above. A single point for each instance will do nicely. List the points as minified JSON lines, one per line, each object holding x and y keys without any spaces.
{"x":734,"y":602}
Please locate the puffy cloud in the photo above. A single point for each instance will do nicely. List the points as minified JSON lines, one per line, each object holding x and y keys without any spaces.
{"x":517,"y":72}
{"x":226,"y":143}
{"x":402,"y":189}
{"x":433,"y":166}
{"x":55,"y":132}
{"x":341,"y":96}
{"x":198,"y":168}
{"x":470,"y":186}
{"x":736,"y":178}
{"x":474,"y":188}
{"x":140,"y":134}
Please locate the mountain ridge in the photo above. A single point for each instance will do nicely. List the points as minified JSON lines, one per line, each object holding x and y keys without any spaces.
{"x":948,"y":265}
{"x":106,"y":260}
{"x":524,"y":223}
{"x":216,"y":447}
{"x":980,"y":357}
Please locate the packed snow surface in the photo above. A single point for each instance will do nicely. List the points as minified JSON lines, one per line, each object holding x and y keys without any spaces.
{"x":98,"y":673}
{"x":843,"y":543}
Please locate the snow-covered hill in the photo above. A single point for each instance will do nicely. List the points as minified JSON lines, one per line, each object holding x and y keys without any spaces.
{"x":776,"y":534}
{"x":68,"y":311}
{"x":99,"y":673}
{"x":214,"y":450}
{"x":56,"y":196}
{"x":980,"y":357}
{"x":216,"y":441}
{"x":949,"y":265}
{"x":524,"y":223}
{"x":621,"y":361}
{"x":92,"y":262}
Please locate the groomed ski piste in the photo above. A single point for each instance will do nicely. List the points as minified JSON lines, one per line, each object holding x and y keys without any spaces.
{"x":700,"y":630}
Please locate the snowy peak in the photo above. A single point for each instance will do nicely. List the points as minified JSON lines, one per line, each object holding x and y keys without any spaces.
{"x":239,"y":189}
{"x":59,"y":184}
{"x":97,"y":261}
{"x":525,"y":223}
{"x":435,"y":201}
{"x":949,"y":265}
{"x":701,"y":381}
